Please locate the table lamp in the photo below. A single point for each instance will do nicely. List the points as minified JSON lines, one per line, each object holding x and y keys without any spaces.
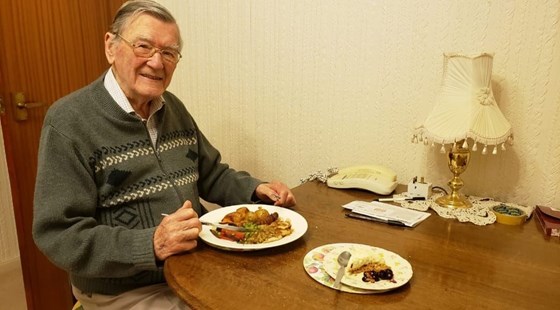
{"x":465,"y":115}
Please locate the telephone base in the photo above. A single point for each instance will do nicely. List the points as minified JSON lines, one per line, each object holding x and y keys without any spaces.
{"x":361,"y":184}
{"x":374,"y":178}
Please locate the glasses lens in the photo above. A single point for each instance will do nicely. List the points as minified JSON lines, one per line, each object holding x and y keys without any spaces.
{"x":143,"y":50}
{"x":170,"y":56}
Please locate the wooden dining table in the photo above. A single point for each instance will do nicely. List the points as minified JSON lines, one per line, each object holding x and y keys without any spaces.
{"x":455,"y":265}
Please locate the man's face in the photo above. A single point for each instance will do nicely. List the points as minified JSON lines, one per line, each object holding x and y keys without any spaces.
{"x":141,"y":78}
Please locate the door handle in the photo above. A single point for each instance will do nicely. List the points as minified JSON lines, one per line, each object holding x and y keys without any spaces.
{"x":22,"y":106}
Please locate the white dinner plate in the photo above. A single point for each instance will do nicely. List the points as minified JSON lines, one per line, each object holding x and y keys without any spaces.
{"x":402,"y":270}
{"x":299,"y":225}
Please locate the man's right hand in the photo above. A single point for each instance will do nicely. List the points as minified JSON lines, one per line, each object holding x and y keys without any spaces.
{"x":177,"y":232}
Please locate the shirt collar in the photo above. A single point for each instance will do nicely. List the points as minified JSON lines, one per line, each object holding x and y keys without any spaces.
{"x":118,"y":95}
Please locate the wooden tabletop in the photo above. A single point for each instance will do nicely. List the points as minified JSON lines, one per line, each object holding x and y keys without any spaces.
{"x":456,"y":265}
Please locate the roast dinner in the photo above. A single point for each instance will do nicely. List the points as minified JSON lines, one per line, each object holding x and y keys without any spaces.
{"x":259,"y":225}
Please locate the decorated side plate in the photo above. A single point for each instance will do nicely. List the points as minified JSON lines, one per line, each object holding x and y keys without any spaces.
{"x":313,"y":265}
{"x":402,"y":270}
{"x":299,"y":226}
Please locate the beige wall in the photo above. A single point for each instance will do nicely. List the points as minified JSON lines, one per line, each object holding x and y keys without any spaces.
{"x":285,"y":88}
{"x":288,"y":87}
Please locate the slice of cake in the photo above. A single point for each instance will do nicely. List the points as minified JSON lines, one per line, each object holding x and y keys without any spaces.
{"x":373,"y":269}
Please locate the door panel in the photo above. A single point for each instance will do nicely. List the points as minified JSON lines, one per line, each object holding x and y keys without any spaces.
{"x":47,"y":50}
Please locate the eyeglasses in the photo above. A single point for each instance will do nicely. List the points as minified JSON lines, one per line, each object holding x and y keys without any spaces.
{"x":146,"y":50}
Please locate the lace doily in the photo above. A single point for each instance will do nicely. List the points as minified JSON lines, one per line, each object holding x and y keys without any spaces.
{"x":479,"y":214}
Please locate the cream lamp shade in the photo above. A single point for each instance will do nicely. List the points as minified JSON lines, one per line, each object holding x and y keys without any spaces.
{"x":465,"y":106}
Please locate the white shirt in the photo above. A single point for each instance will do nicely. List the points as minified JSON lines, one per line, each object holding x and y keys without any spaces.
{"x":118,"y":95}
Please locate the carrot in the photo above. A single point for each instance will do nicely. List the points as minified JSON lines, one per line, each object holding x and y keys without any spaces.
{"x":231,"y":235}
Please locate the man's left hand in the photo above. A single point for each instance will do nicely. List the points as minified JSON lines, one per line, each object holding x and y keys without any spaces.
{"x":277,"y":193}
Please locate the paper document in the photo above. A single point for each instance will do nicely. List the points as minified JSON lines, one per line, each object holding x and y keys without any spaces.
{"x":387,"y":211}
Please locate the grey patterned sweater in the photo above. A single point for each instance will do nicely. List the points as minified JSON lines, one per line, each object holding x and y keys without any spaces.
{"x":101,"y":187}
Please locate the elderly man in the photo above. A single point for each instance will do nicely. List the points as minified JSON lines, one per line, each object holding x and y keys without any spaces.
{"x":116,"y":155}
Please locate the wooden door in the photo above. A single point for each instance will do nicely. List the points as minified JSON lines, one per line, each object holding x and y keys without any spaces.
{"x":47,"y":49}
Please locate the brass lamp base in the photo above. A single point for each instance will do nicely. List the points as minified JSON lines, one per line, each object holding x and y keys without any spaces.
{"x":457,"y":161}
{"x":454,"y":201}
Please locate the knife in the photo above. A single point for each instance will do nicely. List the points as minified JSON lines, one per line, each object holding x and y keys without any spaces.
{"x":224,"y":226}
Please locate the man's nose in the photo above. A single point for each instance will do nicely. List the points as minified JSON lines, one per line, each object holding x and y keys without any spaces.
{"x":156,"y":60}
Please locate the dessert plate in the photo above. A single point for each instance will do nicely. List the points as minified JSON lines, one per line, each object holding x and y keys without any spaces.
{"x":402,"y":270}
{"x":313,"y":265}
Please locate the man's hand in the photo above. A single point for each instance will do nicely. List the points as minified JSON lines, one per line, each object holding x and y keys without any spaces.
{"x":276,"y":192}
{"x":177,"y":232}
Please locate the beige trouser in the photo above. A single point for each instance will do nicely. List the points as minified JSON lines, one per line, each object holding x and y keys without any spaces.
{"x":153,"y":297}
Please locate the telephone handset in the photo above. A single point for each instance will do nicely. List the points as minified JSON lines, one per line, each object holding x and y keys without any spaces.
{"x":374,"y":178}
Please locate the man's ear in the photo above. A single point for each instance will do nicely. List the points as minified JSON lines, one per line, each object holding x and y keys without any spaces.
{"x":110,"y":47}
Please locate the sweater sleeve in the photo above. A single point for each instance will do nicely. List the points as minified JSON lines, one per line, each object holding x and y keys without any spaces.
{"x":64,"y":225}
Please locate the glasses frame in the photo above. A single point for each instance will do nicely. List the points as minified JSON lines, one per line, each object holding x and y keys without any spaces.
{"x":153,"y":51}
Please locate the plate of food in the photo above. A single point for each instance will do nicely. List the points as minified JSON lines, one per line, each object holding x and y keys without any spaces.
{"x":265,"y":227}
{"x":369,"y":268}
